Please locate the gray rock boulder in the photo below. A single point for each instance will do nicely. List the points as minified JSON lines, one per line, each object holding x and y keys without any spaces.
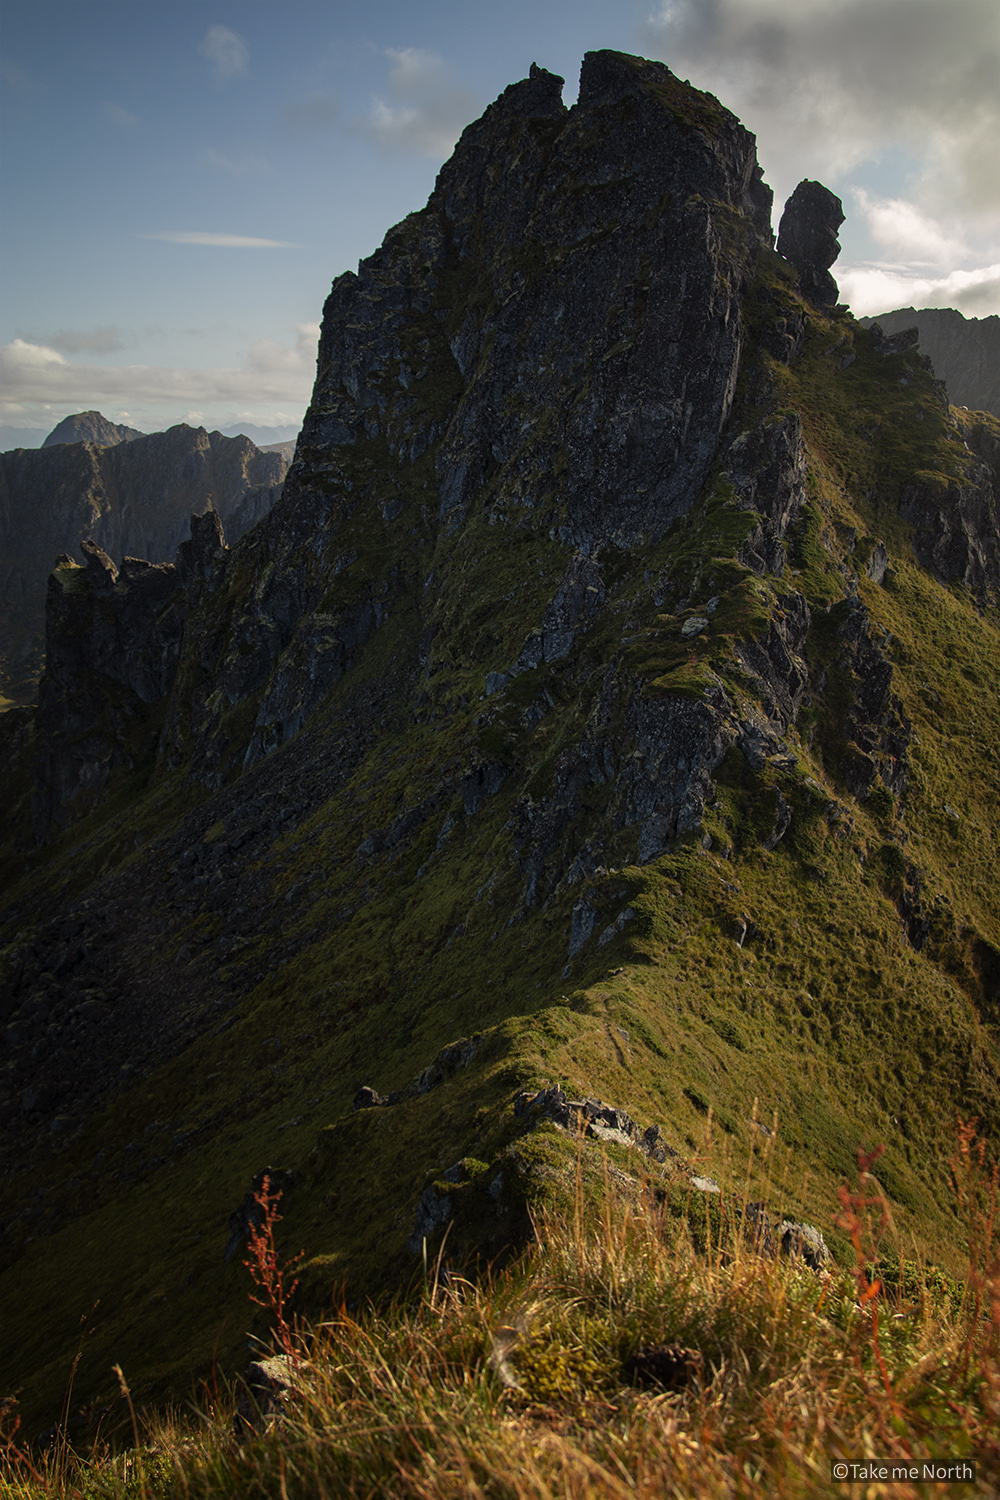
{"x":803,"y":1242}
{"x":269,"y":1385}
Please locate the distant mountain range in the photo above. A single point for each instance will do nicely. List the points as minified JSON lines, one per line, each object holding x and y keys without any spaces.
{"x":287,"y":450}
{"x":965,"y":352}
{"x":265,"y":437}
{"x":131,"y":493}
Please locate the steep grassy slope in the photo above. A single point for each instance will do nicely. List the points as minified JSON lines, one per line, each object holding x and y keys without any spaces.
{"x":696,"y":818}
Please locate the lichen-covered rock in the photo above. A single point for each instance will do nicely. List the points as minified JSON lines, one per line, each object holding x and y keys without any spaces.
{"x":767,"y":468}
{"x":894,"y":343}
{"x":270,"y":1384}
{"x":803,"y":1242}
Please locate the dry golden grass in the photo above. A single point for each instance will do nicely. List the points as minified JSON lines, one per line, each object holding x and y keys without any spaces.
{"x":514,"y":1387}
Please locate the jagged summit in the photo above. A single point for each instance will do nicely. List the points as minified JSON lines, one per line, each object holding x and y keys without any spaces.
{"x":90,"y":427}
{"x":579,"y":726}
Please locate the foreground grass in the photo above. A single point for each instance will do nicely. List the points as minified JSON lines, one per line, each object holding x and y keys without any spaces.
{"x":519,"y":1386}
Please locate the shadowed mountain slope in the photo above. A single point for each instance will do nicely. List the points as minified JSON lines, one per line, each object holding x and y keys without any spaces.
{"x":609,"y":702}
{"x":131,"y":497}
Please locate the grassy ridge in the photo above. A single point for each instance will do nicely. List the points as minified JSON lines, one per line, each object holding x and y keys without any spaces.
{"x":783,"y":977}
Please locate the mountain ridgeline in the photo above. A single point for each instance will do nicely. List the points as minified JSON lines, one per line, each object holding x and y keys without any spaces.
{"x":608,"y":702}
{"x":965,"y":352}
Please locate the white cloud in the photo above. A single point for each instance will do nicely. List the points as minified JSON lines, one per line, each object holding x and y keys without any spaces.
{"x":426,"y":111}
{"x":267,"y":355}
{"x":874,"y":288}
{"x":242,"y":166}
{"x":274,"y":379}
{"x":827,"y":86}
{"x":118,"y":116}
{"x":26,"y":357}
{"x":226,"y":50}
{"x":903,"y":232}
{"x":224,"y":241}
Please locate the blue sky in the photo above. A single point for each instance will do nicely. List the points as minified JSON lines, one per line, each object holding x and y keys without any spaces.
{"x":182,"y":179}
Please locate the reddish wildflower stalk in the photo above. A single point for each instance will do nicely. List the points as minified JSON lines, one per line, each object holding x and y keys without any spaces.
{"x":854,"y":1218}
{"x":264,"y":1265}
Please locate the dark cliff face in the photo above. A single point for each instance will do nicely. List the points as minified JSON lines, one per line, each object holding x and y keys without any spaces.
{"x":550,"y":348}
{"x":585,"y":709}
{"x":133,"y":499}
{"x":581,"y":310}
{"x":114,"y":638}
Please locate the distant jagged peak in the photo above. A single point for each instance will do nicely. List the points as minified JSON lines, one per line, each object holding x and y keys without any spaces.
{"x":965,"y":351}
{"x":90,"y":427}
{"x":939,"y":315}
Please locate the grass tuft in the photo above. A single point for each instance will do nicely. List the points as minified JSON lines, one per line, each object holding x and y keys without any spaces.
{"x":522,"y":1384}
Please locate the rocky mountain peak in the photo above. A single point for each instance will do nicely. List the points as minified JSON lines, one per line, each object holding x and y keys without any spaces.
{"x":90,"y":427}
{"x":964,"y":351}
{"x":131,"y":497}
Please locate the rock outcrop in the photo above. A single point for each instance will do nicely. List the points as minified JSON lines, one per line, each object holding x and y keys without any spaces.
{"x":132,"y":499}
{"x":956,"y":520}
{"x":113,"y":639}
{"x":807,"y":236}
